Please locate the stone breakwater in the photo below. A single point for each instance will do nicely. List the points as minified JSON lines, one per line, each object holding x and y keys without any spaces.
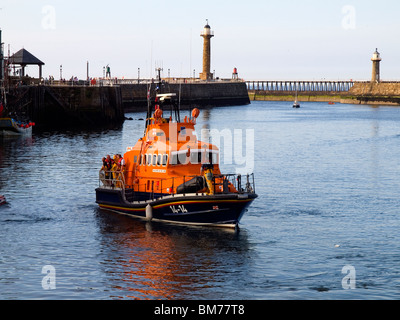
{"x":376,"y":93}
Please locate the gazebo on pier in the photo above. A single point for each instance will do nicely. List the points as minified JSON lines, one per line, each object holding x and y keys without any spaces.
{"x":23,"y":58}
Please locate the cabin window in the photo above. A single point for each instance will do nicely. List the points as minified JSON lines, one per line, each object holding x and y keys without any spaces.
{"x":195,"y":157}
{"x":215,"y":158}
{"x":159,"y":158}
{"x":211,"y":157}
{"x":178,"y":158}
{"x":154,"y":160}
{"x":149,"y":159}
{"x":174,"y":159}
{"x":183,"y":158}
{"x":165,"y":160}
{"x":135,"y":159}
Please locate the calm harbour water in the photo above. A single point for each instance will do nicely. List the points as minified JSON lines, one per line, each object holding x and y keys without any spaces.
{"x":328,"y":181}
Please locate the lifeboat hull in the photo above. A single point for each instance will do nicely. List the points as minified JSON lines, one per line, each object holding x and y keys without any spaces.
{"x":220,"y":210}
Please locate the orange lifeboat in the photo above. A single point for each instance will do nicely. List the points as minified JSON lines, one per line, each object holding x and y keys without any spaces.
{"x":169,"y":175}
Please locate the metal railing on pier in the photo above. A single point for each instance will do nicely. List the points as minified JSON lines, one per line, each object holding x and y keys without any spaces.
{"x":100,"y":82}
{"x":300,"y":86}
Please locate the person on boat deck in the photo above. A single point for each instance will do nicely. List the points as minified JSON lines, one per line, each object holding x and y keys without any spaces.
{"x":121,"y":163}
{"x":116,"y":171}
{"x":103,"y":171}
{"x":107,"y":164}
{"x":208,"y":175}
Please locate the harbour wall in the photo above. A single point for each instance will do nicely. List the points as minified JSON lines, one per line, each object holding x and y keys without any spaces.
{"x":291,"y":96}
{"x":56,"y":107}
{"x":64,"y":105}
{"x":201,"y":94}
{"x":375,"y":93}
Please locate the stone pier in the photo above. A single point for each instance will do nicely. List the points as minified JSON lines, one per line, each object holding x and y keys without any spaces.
{"x":67,"y":106}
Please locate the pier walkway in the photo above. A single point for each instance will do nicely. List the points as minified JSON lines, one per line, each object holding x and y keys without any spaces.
{"x":299,"y":86}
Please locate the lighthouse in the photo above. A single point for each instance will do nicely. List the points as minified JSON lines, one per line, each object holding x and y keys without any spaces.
{"x":207,"y":34}
{"x":376,"y":60}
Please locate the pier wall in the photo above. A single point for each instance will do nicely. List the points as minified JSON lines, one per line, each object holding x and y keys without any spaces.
{"x":67,"y":106}
{"x":386,"y":93}
{"x":376,"y":89}
{"x":202,"y":94}
{"x":291,"y":96}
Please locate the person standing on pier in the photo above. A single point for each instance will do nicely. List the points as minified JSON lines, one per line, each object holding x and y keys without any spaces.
{"x":108,"y":72}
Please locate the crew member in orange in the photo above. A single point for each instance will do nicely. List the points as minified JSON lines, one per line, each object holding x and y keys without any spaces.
{"x":208,"y":175}
{"x":115,"y":171}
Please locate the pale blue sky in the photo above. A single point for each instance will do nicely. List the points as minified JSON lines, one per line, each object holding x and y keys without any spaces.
{"x":264,"y":39}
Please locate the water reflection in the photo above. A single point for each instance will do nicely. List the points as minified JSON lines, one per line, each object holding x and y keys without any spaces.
{"x":10,"y":155}
{"x":162,"y":261}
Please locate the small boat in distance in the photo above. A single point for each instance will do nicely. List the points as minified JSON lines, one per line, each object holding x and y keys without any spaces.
{"x":11,"y":127}
{"x":2,"y":200}
{"x":8,"y":125}
{"x":296,"y":104}
{"x":171,"y":176}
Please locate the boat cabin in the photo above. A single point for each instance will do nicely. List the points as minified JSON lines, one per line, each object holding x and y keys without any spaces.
{"x":169,"y":154}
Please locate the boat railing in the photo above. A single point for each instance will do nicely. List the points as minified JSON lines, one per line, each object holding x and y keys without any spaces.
{"x":242,"y":183}
{"x":161,"y":187}
{"x":112,"y":179}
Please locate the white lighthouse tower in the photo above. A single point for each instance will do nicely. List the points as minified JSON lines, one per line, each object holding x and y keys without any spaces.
{"x":376,"y":60}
